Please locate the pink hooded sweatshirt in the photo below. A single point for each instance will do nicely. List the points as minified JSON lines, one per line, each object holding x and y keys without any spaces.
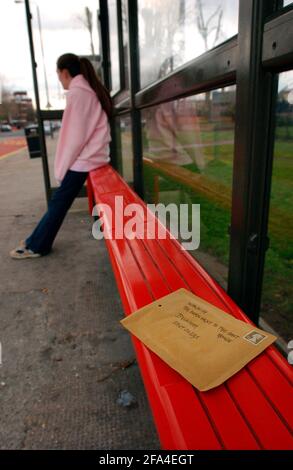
{"x":83,"y":143}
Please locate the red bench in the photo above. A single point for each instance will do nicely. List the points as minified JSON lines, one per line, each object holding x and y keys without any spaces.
{"x":254,"y":408}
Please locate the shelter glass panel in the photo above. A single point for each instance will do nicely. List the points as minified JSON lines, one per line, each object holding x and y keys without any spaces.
{"x":277,"y":295}
{"x":173,"y":32}
{"x":188,"y":148}
{"x":114,"y":45}
{"x":124,"y":147}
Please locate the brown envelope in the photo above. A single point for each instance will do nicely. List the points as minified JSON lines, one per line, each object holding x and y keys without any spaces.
{"x":200,"y":341}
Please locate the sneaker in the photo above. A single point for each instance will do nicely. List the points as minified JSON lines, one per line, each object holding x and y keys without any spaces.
{"x":22,"y":252}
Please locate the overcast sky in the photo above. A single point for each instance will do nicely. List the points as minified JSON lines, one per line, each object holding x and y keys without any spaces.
{"x":63,"y":31}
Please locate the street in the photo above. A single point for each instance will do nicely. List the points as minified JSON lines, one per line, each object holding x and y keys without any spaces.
{"x":11,"y":142}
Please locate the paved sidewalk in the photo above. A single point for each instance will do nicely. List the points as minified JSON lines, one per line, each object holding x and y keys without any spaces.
{"x":65,"y":356}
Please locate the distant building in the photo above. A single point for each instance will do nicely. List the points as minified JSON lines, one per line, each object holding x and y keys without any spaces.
{"x":22,"y":110}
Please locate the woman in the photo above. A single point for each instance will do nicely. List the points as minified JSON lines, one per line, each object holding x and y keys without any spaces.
{"x":83,"y":145}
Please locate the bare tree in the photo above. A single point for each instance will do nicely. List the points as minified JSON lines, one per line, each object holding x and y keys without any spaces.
{"x":159,"y":31}
{"x":164,"y":30}
{"x":206,"y":26}
{"x":87,"y":21}
{"x":5,"y":101}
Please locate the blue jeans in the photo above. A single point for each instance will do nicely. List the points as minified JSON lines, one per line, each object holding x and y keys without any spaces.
{"x":42,"y":238}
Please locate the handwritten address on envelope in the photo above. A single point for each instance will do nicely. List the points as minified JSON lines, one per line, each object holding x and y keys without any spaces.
{"x":201,"y":342}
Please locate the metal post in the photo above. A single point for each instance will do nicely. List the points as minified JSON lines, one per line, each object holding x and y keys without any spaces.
{"x":38,"y":109}
{"x":103,"y":21}
{"x":43,"y":56}
{"x":105,"y":43}
{"x":134,"y":72}
{"x":120,"y":45}
{"x":255,"y":100}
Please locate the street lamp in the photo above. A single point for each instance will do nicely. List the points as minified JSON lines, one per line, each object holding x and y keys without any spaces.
{"x":42,"y":49}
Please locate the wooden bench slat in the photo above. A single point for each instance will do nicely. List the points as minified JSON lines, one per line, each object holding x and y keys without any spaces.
{"x":236,"y":434}
{"x":267,"y":424}
{"x":267,"y":377}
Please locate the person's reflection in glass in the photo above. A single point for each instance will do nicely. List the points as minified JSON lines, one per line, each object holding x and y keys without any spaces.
{"x":173,"y":130}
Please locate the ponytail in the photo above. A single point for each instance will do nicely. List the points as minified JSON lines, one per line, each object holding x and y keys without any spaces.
{"x":88,"y":71}
{"x":76,"y":65}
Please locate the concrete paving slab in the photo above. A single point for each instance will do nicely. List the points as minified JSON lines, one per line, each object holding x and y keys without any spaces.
{"x":65,"y":357}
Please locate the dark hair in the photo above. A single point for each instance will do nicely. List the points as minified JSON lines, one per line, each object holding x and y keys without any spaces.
{"x":76,"y":65}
